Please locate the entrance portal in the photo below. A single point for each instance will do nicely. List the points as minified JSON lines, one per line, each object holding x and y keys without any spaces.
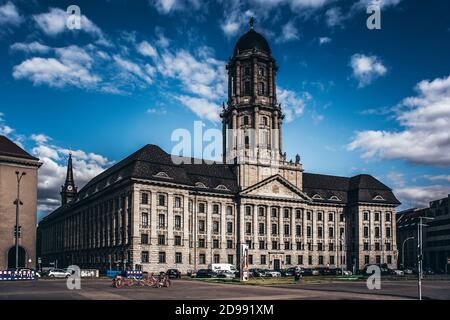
{"x":12,"y":258}
{"x":276,"y":264}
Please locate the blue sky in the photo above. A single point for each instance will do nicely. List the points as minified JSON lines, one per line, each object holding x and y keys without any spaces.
{"x":357,"y":100}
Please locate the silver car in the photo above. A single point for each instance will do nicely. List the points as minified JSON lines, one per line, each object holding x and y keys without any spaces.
{"x":59,"y":273}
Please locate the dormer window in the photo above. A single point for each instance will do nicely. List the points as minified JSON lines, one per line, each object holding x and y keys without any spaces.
{"x":162,"y":175}
{"x":317,"y":197}
{"x":221,"y":187}
{"x":334,"y":198}
{"x":200,"y":185}
{"x":378,"y":197}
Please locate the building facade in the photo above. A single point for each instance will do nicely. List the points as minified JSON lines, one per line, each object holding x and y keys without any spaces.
{"x":13,"y":160}
{"x":436,"y":235}
{"x":156,"y":211}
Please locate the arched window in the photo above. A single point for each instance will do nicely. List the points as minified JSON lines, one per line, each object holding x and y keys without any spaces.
{"x":247,"y":141}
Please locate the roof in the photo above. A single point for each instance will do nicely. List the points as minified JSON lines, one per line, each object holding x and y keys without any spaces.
{"x":360,"y":188}
{"x":153,"y":163}
{"x":10,"y":149}
{"x":251,"y":40}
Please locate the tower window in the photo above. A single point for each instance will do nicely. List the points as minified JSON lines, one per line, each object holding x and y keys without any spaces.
{"x":247,"y":89}
{"x":261,"y":88}
{"x":247,"y":71}
{"x":246,"y":121}
{"x":261,"y":72}
{"x":247,"y":141}
{"x":264,"y":121}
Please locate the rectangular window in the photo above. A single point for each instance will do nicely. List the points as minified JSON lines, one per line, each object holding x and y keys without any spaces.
{"x":299,"y":245}
{"x":308,"y":215}
{"x":388,"y":217}
{"x":287,"y":245}
{"x":177,"y":202}
{"x":288,"y":260}
{"x":377,"y":232}
{"x":366,"y":216}
{"x":216,"y":244}
{"x":274,"y":229}
{"x":263,"y":259}
{"x":331,"y":246}
{"x":308,"y":231}
{"x":388,"y":232}
{"x":201,"y":208}
{"x":144,"y":219}
{"x":216,"y":226}
{"x":274,"y":245}
{"x":274,"y":213}
{"x":162,"y":257}
{"x":330,"y":232}
{"x":262,"y":212}
{"x":319,"y":216}
{"x":162,"y":221}
{"x":216,"y":209}
{"x":229,"y":227}
{"x":300,"y":260}
{"x":320,"y":246}
{"x":247,"y":88}
{"x":178,"y":240}
{"x":230,"y":259}
{"x":177,"y":222}
{"x":248,"y":228}
{"x":229,"y":244}
{"x":378,"y":259}
{"x":377,"y":246}
{"x":298,"y":230}
{"x":262,"y":245}
{"x":377,"y":216}
{"x":341,"y":217}
{"x":144,"y":257}
{"x":178,"y":257}
{"x":366,"y":260}
{"x":261,"y":229}
{"x":331,"y":259}
{"x":388,"y":247}
{"x":298,"y":214}
{"x":320,"y":232}
{"x":161,"y":239}
{"x":287,"y":230}
{"x":366,"y":246}
{"x":330,"y":217}
{"x":161,"y":200}
{"x":320,"y":260}
{"x":202,"y":258}
{"x":250,"y":259}
{"x":310,"y":260}
{"x":216,"y":258}
{"x":201,"y":243}
{"x":286,"y":213}
{"x":144,"y":198}
{"x":229,"y":210}
{"x":144,"y":238}
{"x":389,"y":259}
{"x":366,"y":232}
{"x":201,"y":225}
{"x":248,"y":211}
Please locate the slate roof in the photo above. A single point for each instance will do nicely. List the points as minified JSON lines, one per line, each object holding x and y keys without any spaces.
{"x":360,"y":188}
{"x":10,"y":149}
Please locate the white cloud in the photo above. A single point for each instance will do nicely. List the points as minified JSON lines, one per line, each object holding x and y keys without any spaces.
{"x":146,"y":49}
{"x":40,"y":138}
{"x":168,"y":6}
{"x":135,"y":70}
{"x":9,"y":15}
{"x":54,"y":22}
{"x":420,"y":196}
{"x":324,"y":40}
{"x":292,"y":104}
{"x":203,"y":108}
{"x":288,"y":33}
{"x":425,"y":121}
{"x":32,"y":47}
{"x":440,"y":177}
{"x":363,"y":4}
{"x":54,"y":73}
{"x":366,"y":68}
{"x":334,"y":17}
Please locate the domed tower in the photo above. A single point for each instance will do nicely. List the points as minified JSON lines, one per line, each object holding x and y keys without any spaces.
{"x":252,"y":104}
{"x":252,"y":119}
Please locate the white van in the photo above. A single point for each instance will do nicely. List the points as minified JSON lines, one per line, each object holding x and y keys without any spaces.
{"x":219,"y":267}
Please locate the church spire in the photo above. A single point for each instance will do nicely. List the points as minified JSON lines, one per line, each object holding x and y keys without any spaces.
{"x":68,"y":190}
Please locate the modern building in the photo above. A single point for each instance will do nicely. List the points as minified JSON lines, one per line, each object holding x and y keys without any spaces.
{"x":14,"y":161}
{"x":152,"y":212}
{"x":436,"y":235}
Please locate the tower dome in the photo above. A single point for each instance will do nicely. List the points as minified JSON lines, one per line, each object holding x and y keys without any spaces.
{"x":252,"y":40}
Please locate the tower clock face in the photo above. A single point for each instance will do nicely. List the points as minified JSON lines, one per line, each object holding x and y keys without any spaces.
{"x":69,"y":188}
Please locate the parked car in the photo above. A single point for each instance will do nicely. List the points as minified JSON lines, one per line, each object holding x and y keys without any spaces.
{"x":287,"y":272}
{"x":347,"y":273}
{"x":206,"y":273}
{"x":428,"y":271}
{"x":257,"y":273}
{"x":173,"y":274}
{"x":273,"y":274}
{"x":59,"y":273}
{"x":310,"y":272}
{"x":408,"y":271}
{"x":396,"y":272}
{"x":226,"y":274}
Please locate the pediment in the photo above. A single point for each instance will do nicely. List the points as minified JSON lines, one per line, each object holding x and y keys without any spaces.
{"x":276,"y":187}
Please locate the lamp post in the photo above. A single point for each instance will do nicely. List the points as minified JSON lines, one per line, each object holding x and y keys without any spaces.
{"x":420,"y":253}
{"x":18,"y":204}
{"x":403,"y":251}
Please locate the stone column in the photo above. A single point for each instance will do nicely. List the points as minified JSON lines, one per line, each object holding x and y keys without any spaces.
{"x":234,"y":133}
{"x":255,"y":78}
{"x":238,"y":82}
{"x":270,"y":83}
{"x":275,"y":133}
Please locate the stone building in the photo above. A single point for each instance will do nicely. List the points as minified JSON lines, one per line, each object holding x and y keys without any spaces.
{"x":13,"y":160}
{"x":436,"y":235}
{"x":151,"y":212}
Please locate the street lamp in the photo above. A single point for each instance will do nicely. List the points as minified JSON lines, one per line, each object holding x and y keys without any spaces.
{"x":18,"y":203}
{"x":420,"y":253}
{"x":403,"y":251}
